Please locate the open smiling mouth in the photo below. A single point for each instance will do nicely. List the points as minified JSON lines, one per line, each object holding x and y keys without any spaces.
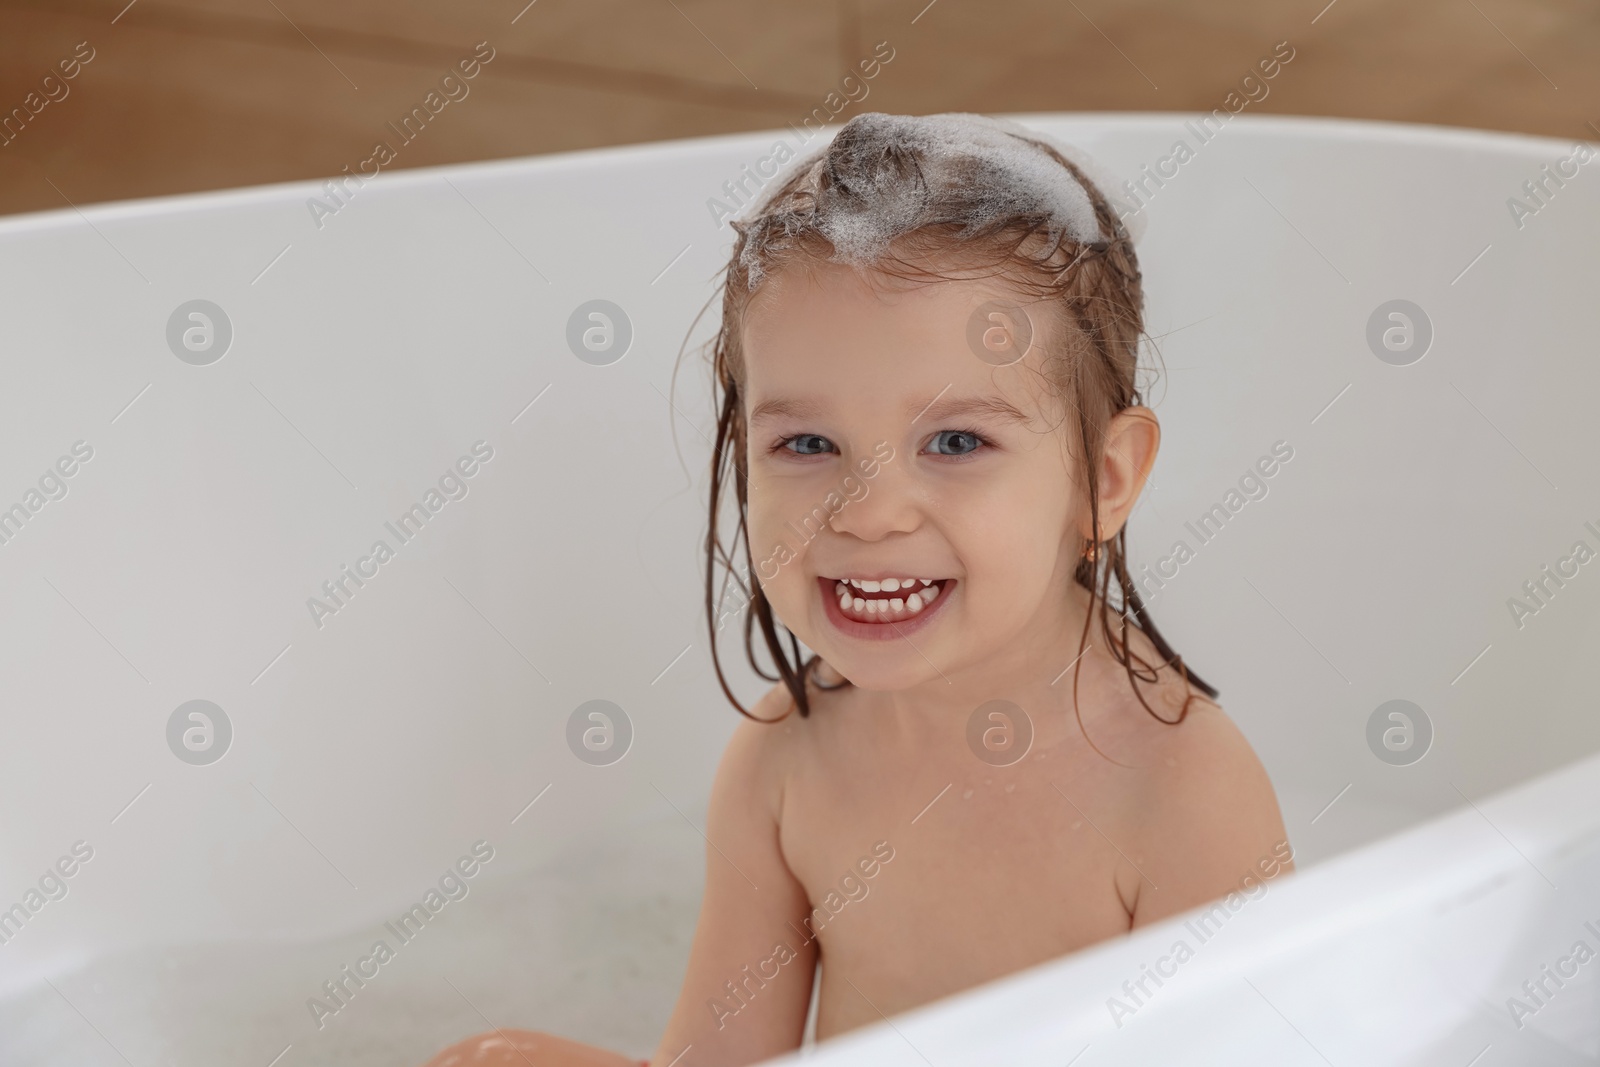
{"x":883,"y":600}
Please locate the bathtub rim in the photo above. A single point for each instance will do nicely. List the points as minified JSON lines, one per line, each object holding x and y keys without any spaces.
{"x":1324,"y":127}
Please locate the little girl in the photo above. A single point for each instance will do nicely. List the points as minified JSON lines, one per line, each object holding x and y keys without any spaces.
{"x":930,"y":424}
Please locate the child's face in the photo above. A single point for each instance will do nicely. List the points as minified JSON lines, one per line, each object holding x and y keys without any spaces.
{"x":882,"y":447}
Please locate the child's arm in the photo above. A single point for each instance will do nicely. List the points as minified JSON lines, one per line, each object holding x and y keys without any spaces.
{"x":1211,"y":818}
{"x":750,"y":933}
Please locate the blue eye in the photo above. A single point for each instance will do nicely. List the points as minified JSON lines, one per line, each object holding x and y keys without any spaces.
{"x":808,"y":444}
{"x":955,"y":443}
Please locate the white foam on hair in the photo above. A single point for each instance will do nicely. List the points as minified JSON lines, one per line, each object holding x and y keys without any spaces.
{"x":985,"y":163}
{"x":1103,"y":178}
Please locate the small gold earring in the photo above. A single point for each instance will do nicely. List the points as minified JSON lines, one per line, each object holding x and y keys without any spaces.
{"x":1092,"y":552}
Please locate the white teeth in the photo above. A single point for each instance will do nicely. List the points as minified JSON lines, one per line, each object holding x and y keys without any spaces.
{"x":888,"y":609}
{"x":885,"y":609}
{"x":885,"y":585}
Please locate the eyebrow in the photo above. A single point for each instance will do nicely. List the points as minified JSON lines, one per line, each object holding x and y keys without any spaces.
{"x":991,"y":406}
{"x":935,"y":409}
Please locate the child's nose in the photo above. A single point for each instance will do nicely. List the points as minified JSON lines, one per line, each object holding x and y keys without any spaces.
{"x":891,"y":504}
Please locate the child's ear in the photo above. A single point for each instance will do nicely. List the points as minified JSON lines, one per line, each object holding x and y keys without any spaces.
{"x":1133,"y":437}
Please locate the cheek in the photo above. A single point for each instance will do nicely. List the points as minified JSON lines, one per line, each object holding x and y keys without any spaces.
{"x":775,"y":548}
{"x":768,"y":504}
{"x":1010,"y":540}
{"x":1008,"y":557}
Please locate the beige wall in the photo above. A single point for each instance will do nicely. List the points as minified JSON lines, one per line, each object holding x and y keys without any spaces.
{"x":186,"y":95}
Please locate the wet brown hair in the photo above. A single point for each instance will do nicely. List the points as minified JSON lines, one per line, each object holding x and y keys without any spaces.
{"x":1093,"y":296}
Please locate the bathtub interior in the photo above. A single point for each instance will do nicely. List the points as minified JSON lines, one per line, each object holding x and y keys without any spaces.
{"x":430,"y":312}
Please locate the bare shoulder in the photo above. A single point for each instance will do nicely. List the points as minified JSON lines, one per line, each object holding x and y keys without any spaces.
{"x":1208,"y":815}
{"x":760,"y":747}
{"x":1203,"y":761}
{"x":777,"y":705}
{"x":768,"y":743}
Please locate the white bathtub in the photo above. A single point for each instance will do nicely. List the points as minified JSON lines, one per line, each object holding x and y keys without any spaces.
{"x":372,"y":752}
